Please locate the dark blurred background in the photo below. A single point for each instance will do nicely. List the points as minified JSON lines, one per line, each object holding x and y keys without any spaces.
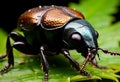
{"x":11,"y":10}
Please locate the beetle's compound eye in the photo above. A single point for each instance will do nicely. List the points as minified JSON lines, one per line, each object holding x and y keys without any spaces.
{"x":76,"y":37}
{"x":97,"y":34}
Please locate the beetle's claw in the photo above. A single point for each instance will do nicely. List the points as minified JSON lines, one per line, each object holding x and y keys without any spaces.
{"x":83,"y":72}
{"x":5,"y":69}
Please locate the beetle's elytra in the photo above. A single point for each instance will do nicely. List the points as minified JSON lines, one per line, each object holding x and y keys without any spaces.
{"x":49,"y":16}
{"x":55,"y":29}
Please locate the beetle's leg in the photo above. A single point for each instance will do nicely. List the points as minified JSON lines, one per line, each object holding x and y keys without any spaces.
{"x":9,"y":53}
{"x":9,"y":50}
{"x":74,"y":63}
{"x":19,"y":44}
{"x":16,"y":37}
{"x":44,"y":63}
{"x":95,"y":63}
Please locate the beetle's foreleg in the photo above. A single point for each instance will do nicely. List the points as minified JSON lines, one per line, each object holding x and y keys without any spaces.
{"x":44,"y":63}
{"x":87,"y":59}
{"x":74,"y":63}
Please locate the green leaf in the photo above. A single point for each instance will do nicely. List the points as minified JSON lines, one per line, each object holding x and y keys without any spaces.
{"x":98,"y":13}
{"x":3,"y":37}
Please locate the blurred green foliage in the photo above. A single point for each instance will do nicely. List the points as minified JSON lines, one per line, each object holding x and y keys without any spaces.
{"x":98,"y":13}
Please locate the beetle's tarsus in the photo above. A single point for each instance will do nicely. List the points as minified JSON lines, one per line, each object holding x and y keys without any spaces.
{"x":44,"y":64}
{"x":83,"y":72}
{"x":46,"y":77}
{"x":5,"y":69}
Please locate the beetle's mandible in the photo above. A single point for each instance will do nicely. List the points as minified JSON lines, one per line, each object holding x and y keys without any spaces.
{"x":55,"y":29}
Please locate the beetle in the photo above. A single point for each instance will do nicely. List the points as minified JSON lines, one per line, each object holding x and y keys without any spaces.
{"x":54,"y":29}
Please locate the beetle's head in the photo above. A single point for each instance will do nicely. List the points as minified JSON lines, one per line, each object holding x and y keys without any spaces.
{"x":80,"y":35}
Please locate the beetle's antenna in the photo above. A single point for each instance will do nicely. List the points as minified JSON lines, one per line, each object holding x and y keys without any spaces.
{"x":109,"y":52}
